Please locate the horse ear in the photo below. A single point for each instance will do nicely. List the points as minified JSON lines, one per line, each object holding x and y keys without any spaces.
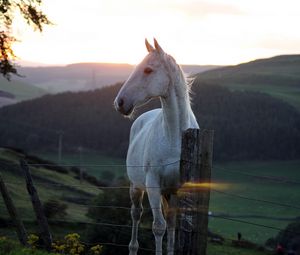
{"x":157,"y":46}
{"x":148,"y":46}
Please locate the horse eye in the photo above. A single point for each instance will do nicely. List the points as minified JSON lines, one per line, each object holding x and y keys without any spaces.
{"x":148,"y":70}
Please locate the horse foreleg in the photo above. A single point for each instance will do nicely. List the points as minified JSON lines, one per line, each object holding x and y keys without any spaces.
{"x":136,"y":196}
{"x":171,"y":223}
{"x":159,"y":223}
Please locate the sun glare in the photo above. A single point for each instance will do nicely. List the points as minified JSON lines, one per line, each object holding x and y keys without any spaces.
{"x":194,"y":32}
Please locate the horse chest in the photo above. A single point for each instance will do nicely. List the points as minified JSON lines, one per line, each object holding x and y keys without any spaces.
{"x":151,"y":149}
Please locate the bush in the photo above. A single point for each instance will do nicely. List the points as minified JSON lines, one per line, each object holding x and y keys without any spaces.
{"x":54,"y":208}
{"x":118,"y":213}
{"x":287,"y":237}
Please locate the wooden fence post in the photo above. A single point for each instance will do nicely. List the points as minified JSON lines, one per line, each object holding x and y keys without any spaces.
{"x":195,"y":168}
{"x":37,"y":206}
{"x":21,"y":232}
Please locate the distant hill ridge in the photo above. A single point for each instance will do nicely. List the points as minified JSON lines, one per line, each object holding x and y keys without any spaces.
{"x":85,"y":76}
{"x":277,"y":76}
{"x":285,"y":65}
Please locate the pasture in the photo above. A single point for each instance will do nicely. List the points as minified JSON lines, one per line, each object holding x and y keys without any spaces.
{"x":267,"y":181}
{"x":263,"y":180}
{"x":50,"y":185}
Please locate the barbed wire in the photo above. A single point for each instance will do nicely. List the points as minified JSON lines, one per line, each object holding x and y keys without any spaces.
{"x":281,"y":179}
{"x":103,"y":165}
{"x":182,"y":189}
{"x":108,"y":224}
{"x":257,"y":200}
{"x":214,"y":216}
{"x":113,"y":225}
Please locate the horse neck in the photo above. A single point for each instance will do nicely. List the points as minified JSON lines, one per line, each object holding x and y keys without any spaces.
{"x":176,"y":107}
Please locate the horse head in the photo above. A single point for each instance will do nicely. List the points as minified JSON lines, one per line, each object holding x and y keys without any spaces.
{"x":149,"y":79}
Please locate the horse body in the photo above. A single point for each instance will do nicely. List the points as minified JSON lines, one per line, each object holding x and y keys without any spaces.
{"x":155,"y":140}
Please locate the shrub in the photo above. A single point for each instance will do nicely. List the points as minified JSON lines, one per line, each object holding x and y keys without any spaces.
{"x":54,"y":208}
{"x":287,"y":237}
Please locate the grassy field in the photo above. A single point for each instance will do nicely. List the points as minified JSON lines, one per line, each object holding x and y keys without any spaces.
{"x":270,"y":183}
{"x":245,"y":182}
{"x":94,"y":163}
{"x":50,"y":185}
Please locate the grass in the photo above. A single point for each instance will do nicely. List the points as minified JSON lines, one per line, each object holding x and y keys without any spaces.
{"x":11,"y":247}
{"x":94,"y":163}
{"x":238,"y":184}
{"x":271,"y":188}
{"x":228,"y":249}
{"x":66,"y":188}
{"x":270,"y":184}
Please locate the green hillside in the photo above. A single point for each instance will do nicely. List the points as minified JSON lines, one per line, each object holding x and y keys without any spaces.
{"x":59,"y":184}
{"x":278,"y":76}
{"x":21,"y":90}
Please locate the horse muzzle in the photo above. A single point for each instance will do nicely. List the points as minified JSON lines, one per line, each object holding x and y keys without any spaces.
{"x":122,"y":106}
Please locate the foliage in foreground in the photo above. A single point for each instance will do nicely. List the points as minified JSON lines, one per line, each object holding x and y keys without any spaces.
{"x":11,"y":247}
{"x":70,"y":245}
{"x":34,"y":17}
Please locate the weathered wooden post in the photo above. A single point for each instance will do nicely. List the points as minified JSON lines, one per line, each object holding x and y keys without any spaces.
{"x":21,"y":232}
{"x":195,"y":174}
{"x":37,"y":206}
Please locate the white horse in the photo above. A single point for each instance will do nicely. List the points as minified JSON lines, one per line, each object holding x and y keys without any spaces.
{"x":155,"y":140}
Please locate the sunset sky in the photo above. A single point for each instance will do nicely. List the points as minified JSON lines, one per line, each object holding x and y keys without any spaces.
{"x":194,"y":32}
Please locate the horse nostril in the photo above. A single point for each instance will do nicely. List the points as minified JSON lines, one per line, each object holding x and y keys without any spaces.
{"x":120,"y":102}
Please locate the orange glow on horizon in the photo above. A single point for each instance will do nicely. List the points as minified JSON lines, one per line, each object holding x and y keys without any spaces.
{"x":218,"y":32}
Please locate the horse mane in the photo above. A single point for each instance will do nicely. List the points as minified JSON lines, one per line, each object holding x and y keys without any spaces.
{"x":175,"y":69}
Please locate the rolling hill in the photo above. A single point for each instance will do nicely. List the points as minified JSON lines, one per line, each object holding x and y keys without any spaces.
{"x":277,"y":76}
{"x":67,"y":185}
{"x":84,"y":76}
{"x":248,"y":125}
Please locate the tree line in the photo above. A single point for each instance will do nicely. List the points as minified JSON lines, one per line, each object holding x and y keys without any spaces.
{"x":248,"y":125}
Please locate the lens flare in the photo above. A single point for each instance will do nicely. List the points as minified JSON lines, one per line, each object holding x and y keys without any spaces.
{"x":202,"y":186}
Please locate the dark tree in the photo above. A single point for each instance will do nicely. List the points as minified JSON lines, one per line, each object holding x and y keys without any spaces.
{"x":34,"y":17}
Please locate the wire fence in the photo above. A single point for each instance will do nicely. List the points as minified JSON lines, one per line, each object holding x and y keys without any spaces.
{"x":279,"y":181}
